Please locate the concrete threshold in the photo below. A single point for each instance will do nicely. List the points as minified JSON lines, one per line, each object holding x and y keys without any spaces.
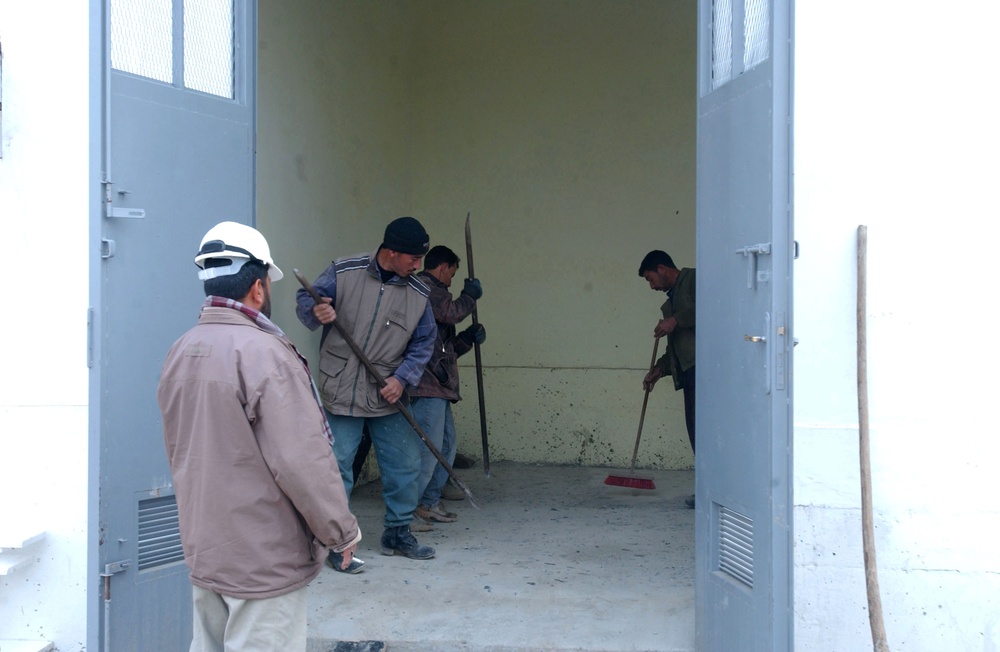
{"x":555,"y":560}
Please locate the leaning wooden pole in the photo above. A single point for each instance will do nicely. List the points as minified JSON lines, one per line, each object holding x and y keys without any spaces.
{"x":479,"y":355}
{"x":879,"y":642}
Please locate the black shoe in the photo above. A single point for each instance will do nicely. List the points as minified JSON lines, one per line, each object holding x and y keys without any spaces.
{"x":689,"y":501}
{"x":399,"y":540}
{"x":335,"y":560}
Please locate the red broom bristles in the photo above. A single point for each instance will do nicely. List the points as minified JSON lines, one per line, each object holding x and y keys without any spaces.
{"x":629,"y":481}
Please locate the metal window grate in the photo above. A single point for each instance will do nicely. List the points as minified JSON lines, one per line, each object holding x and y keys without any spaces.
{"x":736,"y":545}
{"x":208,"y":46}
{"x":142,"y":38}
{"x":159,"y":533}
{"x":756,"y":28}
{"x":722,"y":42}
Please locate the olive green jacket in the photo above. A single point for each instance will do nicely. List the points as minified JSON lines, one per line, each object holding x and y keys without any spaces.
{"x":679,"y":356}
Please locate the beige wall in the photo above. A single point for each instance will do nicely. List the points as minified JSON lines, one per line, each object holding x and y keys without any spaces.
{"x":566,"y":128}
{"x":332,"y":135}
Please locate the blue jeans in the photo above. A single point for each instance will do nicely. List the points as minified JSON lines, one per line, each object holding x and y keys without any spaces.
{"x":397,"y":449}
{"x":434,"y":416}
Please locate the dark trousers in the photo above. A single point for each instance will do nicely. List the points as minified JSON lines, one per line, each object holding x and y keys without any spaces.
{"x":689,"y":404}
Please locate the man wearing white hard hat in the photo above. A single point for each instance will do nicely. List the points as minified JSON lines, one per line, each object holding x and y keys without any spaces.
{"x":258,"y":490}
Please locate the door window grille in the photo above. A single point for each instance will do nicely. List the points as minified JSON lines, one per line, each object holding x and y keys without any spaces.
{"x":145,"y":35}
{"x":142,"y":41}
{"x":756,"y":24}
{"x":208,"y":46}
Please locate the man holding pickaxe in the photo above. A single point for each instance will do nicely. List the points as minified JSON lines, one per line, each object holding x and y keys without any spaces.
{"x":438,"y":388}
{"x":383,"y":308}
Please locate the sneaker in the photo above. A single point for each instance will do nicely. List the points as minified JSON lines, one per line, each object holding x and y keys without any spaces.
{"x":451,"y":492}
{"x":335,"y":560}
{"x":436,"y":513}
{"x":399,"y":540}
{"x":689,"y":501}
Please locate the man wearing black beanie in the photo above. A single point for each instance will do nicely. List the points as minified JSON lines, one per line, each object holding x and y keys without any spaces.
{"x":384,"y":307}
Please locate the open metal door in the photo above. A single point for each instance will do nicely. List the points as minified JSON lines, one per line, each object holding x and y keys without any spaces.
{"x":743,"y":466}
{"x":178,"y":156}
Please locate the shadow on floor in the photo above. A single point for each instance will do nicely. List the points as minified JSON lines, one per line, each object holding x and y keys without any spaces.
{"x":554,"y":559}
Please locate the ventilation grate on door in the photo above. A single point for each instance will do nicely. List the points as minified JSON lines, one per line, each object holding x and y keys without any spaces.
{"x":159,"y":533}
{"x":736,"y":545}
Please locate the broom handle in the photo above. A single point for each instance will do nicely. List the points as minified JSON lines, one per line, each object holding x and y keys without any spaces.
{"x":880,"y":642}
{"x":642,"y":415}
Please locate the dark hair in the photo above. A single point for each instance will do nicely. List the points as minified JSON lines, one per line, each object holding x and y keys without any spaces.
{"x":654,"y":259}
{"x":440,"y":255}
{"x":234,"y":286}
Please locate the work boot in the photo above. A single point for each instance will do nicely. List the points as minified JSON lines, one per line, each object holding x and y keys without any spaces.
{"x":451,"y":492}
{"x":399,"y":540}
{"x":436,"y":513}
{"x":420,"y":525}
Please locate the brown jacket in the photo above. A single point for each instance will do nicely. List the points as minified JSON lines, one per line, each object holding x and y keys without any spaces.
{"x":258,"y":490}
{"x":440,"y":379}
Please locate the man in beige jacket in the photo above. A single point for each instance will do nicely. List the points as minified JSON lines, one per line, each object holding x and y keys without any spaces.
{"x":258,"y":490}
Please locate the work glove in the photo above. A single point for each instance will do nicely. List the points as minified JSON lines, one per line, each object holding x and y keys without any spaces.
{"x":473,"y":288}
{"x":473,"y":334}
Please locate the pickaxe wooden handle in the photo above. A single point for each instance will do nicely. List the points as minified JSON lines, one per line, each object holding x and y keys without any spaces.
{"x":381,"y":383}
{"x":479,"y":355}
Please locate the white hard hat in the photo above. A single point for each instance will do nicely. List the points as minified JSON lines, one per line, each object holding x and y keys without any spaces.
{"x":237,"y":242}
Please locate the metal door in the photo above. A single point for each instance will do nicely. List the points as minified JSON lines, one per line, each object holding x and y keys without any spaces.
{"x":745,"y":249}
{"x":178,"y":156}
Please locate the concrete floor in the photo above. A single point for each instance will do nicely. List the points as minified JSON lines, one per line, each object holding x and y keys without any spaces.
{"x":554,"y":559}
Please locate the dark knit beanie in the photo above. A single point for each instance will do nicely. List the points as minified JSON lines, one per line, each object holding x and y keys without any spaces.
{"x":407,"y":236}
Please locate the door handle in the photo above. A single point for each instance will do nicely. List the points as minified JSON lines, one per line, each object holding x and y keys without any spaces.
{"x":763,"y":339}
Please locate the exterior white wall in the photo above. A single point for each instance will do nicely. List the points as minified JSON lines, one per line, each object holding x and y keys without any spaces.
{"x":43,"y":402}
{"x":896,"y":129}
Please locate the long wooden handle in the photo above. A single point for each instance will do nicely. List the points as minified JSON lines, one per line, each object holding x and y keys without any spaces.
{"x":381,"y":383}
{"x":642,"y":415}
{"x":879,"y":640}
{"x":479,"y":356}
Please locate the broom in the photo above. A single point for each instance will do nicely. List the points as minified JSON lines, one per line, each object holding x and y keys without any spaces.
{"x":631,"y":480}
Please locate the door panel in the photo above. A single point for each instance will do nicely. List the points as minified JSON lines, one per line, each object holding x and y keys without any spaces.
{"x":176,"y":161}
{"x":743,"y":462}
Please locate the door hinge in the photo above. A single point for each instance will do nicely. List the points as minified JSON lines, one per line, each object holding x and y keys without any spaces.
{"x":111,"y":211}
{"x":107,"y":248}
{"x":116,"y":567}
{"x":90,"y":338}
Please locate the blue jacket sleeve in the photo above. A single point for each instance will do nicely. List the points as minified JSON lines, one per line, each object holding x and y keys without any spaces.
{"x":326,"y":286}
{"x":418,"y":350}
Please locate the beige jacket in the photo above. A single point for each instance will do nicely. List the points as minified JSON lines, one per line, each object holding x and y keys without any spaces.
{"x":258,"y":489}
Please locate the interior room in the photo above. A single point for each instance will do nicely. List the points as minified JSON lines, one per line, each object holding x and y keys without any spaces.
{"x":565,"y":131}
